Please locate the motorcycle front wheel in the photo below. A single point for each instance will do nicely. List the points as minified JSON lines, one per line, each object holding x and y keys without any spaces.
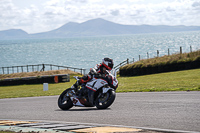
{"x":104,"y":100}
{"x":64,"y":101}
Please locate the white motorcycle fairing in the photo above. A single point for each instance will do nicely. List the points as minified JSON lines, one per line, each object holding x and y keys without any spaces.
{"x":94,"y":84}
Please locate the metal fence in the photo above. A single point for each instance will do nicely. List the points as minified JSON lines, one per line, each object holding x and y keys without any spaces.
{"x":39,"y":67}
{"x":122,"y":64}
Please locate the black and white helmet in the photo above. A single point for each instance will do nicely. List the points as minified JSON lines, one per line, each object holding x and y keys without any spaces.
{"x":108,"y":63}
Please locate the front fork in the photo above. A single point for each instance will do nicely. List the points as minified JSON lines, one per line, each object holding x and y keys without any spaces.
{"x":91,"y":97}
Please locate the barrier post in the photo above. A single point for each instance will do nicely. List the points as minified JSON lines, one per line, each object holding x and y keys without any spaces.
{"x":45,"y":86}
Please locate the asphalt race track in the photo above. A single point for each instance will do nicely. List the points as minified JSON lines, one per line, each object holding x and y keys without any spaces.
{"x":164,"y":110}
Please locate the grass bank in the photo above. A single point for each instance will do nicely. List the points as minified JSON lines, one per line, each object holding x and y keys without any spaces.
{"x":165,"y":63}
{"x":174,"y":58}
{"x":172,"y":81}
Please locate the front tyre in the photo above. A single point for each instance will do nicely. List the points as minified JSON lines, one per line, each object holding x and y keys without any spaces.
{"x":64,"y":101}
{"x":104,"y":100}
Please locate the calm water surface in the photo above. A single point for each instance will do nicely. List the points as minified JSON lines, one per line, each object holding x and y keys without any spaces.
{"x":87,"y":52}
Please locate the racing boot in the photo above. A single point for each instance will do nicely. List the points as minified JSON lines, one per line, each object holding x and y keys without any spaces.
{"x":79,"y":93}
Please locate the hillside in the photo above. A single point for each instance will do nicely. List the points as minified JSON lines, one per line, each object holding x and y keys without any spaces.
{"x":13,"y":33}
{"x":165,"y":63}
{"x":96,"y":27}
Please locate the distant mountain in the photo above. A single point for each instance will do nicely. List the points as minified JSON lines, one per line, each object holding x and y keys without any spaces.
{"x":13,"y":33}
{"x":97,"y":27}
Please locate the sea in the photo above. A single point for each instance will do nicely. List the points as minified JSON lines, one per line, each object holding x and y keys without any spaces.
{"x":86,"y":52}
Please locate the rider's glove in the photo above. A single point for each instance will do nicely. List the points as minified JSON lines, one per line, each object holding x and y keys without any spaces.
{"x":93,"y":71}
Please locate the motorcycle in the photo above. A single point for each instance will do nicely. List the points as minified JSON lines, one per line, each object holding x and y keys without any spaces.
{"x":99,"y":92}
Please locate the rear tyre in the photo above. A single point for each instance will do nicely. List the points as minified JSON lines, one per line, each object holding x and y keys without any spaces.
{"x":104,"y":100}
{"x":64,"y":101}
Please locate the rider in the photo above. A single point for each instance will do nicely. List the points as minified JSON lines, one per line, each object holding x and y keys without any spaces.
{"x":99,"y":69}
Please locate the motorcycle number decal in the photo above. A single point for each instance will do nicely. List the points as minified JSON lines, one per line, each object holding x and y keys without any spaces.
{"x":90,"y":85}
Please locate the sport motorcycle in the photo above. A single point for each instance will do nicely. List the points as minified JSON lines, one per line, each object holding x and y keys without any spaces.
{"x":99,"y":92}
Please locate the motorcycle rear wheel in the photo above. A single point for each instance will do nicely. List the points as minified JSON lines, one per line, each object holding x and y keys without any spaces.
{"x":64,"y":102}
{"x":105,"y":100}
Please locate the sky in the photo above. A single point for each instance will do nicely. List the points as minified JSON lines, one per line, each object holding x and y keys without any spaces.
{"x":34,"y":16}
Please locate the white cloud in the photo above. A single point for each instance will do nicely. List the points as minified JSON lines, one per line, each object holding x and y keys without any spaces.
{"x":8,"y":14}
{"x":54,"y":13}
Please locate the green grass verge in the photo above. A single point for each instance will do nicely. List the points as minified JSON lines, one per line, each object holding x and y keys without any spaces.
{"x":34,"y":90}
{"x":172,"y":81}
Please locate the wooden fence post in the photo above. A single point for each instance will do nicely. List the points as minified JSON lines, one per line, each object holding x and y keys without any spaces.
{"x":180,"y":50}
{"x":43,"y":67}
{"x":190,"y":48}
{"x":51,"y":66}
{"x":139,"y":57}
{"x":22,"y":68}
{"x":168,"y":51}
{"x":3,"y":69}
{"x":27,"y":68}
{"x":127,"y":61}
{"x":157,"y":53}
